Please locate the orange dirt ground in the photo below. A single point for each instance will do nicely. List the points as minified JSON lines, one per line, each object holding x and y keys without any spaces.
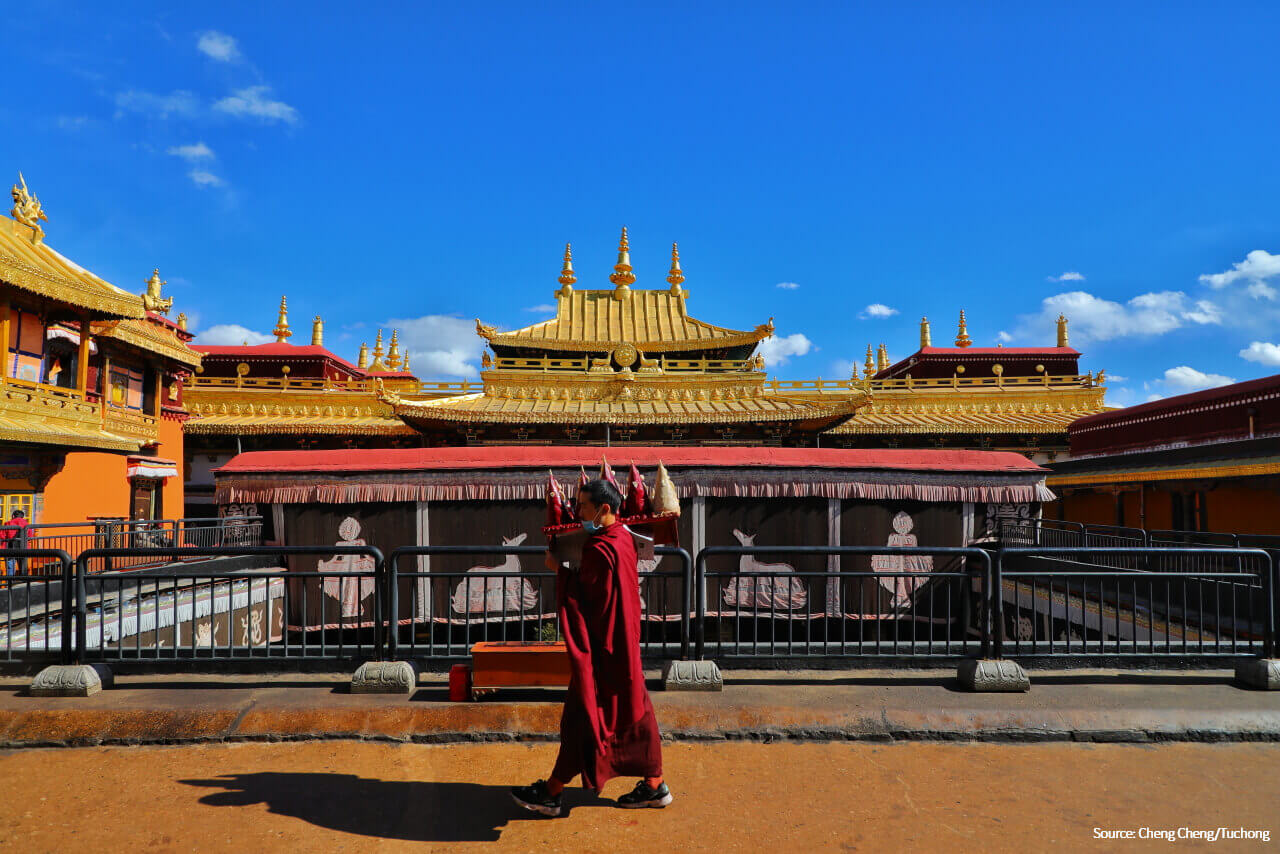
{"x":352,"y":796}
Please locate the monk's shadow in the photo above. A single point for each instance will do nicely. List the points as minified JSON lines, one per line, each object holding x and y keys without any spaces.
{"x":415,"y":812}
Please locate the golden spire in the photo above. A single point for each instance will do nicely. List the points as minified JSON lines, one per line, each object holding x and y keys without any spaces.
{"x":882,"y":358}
{"x":676,"y":276}
{"x":567,"y":277}
{"x":962,"y":336}
{"x":378,"y":364}
{"x":27,"y":210}
{"x":393,"y":354}
{"x":317,"y":332}
{"x":363,"y":362}
{"x":622,"y":276}
{"x":152,"y":300}
{"x":281,"y":331}
{"x":404,"y":366}
{"x":182,"y":321}
{"x":869,"y":369}
{"x":1062,"y":330}
{"x":925,"y":339}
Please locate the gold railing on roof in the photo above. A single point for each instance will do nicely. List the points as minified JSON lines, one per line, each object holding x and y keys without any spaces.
{"x":119,"y":419}
{"x":54,"y":392}
{"x":314,"y":384}
{"x":662,"y":363}
{"x":909,"y":384}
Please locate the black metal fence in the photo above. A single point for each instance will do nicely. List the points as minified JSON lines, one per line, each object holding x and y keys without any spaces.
{"x":907,"y":605}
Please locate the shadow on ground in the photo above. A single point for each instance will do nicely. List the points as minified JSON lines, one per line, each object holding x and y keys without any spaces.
{"x":416,"y":812}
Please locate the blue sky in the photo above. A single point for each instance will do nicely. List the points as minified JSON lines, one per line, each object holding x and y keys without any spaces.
{"x":425,"y":164}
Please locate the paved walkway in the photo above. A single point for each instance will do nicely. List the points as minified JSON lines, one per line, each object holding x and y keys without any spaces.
{"x":758,"y":705}
{"x":352,"y":796}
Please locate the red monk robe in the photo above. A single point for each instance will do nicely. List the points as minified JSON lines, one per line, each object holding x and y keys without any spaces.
{"x":608,"y":728}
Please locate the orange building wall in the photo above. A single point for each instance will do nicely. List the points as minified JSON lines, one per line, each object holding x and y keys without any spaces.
{"x":90,"y":484}
{"x":1159,"y":510}
{"x":1092,"y":508}
{"x":173,"y":500}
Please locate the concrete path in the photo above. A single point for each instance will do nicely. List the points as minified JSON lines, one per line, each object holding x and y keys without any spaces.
{"x":352,"y":796}
{"x":860,"y":705}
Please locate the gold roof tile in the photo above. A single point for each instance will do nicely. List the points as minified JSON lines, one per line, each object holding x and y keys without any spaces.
{"x":38,"y":269}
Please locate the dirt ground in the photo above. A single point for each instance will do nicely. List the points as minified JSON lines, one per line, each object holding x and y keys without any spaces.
{"x":354,"y":796}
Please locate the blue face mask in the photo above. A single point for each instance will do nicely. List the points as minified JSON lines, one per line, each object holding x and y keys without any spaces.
{"x":591,"y":526}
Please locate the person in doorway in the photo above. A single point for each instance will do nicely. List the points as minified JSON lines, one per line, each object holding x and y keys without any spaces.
{"x":607,"y":728}
{"x":12,"y":539}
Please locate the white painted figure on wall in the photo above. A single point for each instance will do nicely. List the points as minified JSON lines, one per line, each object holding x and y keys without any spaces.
{"x":772,"y":591}
{"x":496,"y":596}
{"x":901,"y":587}
{"x":350,"y":592}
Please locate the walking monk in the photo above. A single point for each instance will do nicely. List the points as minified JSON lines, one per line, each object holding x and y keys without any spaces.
{"x":607,"y":728}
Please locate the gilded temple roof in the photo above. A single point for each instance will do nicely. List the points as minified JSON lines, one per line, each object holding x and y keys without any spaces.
{"x":481,"y":408}
{"x":652,"y":321}
{"x":302,"y":425}
{"x":149,"y":336}
{"x":31,"y":265}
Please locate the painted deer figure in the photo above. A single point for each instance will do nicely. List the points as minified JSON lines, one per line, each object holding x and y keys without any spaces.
{"x":496,"y":595}
{"x":768,"y":591}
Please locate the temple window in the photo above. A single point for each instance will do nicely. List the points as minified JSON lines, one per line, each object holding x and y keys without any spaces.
{"x":26,"y":346}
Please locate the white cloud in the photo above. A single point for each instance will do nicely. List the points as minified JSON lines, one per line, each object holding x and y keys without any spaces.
{"x":191,"y":153}
{"x":219,"y":46}
{"x":541,"y":309}
{"x":440,"y":345}
{"x":1262,"y":352}
{"x":1096,"y":319}
{"x":1256,"y":266}
{"x":779,"y":349}
{"x":177,"y":103}
{"x":1116,"y":378}
{"x":1261,"y":290}
{"x":788,"y":286}
{"x":72,"y":123}
{"x":843,"y":368}
{"x":877,"y":309}
{"x":1067,"y":277}
{"x":203,"y":178}
{"x":231,"y":334}
{"x":1184,"y":378}
{"x":1003,"y":337}
{"x":254,"y":102}
{"x":1205,"y":312}
{"x":1151,"y":398}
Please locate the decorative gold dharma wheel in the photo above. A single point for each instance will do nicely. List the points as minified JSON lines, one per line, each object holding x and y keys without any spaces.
{"x":625,"y":355}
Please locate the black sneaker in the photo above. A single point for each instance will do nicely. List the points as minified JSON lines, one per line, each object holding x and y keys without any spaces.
{"x":536,"y":797}
{"x":642,"y":796}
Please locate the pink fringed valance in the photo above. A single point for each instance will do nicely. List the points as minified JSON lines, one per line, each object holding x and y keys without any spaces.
{"x":488,"y":485}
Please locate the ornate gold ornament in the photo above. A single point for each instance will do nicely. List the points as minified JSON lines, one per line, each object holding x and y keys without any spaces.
{"x":282,"y":331}
{"x":152,"y":299}
{"x":567,"y":277}
{"x":625,"y":355}
{"x":623,"y":277}
{"x":27,"y":209}
{"x":962,"y":335}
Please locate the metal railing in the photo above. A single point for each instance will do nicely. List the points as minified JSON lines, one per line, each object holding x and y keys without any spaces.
{"x":132,"y":534}
{"x":483,"y":604}
{"x":906,"y":605}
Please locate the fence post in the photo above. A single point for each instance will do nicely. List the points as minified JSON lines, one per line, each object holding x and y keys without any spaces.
{"x":686,"y":563}
{"x":82,"y":612}
{"x":995,"y":607}
{"x":388,"y":576}
{"x":700,"y":612}
{"x":68,"y":600}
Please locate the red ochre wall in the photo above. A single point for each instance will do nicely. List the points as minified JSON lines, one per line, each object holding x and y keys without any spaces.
{"x":1092,"y":508}
{"x":1244,"y":510}
{"x":90,"y":484}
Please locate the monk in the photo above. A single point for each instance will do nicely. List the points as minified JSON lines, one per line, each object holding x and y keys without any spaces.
{"x":607,"y":728}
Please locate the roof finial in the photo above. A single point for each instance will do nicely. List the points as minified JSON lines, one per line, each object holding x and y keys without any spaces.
{"x":182,"y":321}
{"x":152,"y":300}
{"x":567,"y":277}
{"x":1062,"y":331}
{"x":27,"y":210}
{"x":676,"y":276}
{"x":378,"y":364}
{"x":962,"y":336}
{"x":882,"y":358}
{"x":404,"y":366}
{"x":363,"y":361}
{"x":622,"y":276}
{"x":869,"y":369}
{"x":317,"y":332}
{"x":925,"y":339}
{"x":393,"y":354}
{"x":282,"y":331}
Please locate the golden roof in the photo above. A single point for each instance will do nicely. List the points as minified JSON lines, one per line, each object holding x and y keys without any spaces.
{"x":960,"y":418}
{"x":310,"y":425}
{"x":151,"y":337}
{"x":32,"y":266}
{"x":652,"y":321}
{"x":481,"y":408}
{"x":49,"y":415}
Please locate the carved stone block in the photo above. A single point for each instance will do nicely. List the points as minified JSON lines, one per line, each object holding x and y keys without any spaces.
{"x":385,"y":677}
{"x":992,"y":675}
{"x":1262,"y":673}
{"x":71,"y":680}
{"x":691,"y":676}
